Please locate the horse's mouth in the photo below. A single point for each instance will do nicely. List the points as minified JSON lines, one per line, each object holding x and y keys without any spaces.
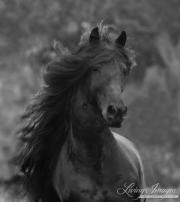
{"x":115,"y":123}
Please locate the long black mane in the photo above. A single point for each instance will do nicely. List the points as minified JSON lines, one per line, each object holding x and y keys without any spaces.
{"x":49,"y":114}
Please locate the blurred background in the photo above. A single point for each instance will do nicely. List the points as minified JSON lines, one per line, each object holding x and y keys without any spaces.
{"x":152,"y":91}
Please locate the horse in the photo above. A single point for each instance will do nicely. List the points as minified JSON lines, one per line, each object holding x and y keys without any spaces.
{"x":70,"y":153}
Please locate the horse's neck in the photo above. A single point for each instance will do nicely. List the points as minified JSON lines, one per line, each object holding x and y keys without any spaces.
{"x":86,"y":143}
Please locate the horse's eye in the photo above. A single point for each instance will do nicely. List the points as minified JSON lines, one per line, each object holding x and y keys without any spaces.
{"x":95,"y":69}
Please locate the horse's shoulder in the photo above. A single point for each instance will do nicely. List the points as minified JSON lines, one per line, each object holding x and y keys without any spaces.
{"x":121,"y":139}
{"x":127,"y":146}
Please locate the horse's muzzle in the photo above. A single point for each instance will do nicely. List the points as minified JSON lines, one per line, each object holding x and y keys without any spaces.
{"x":115,"y":116}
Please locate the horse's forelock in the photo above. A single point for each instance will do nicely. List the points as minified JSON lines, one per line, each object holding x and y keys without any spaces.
{"x":106,"y":48}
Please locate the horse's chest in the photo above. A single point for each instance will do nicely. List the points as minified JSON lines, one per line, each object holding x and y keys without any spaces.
{"x":84,"y":184}
{"x":79,"y":187}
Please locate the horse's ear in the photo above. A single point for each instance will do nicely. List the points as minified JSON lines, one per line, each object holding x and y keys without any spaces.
{"x":121,"y":40}
{"x":94,"y":36}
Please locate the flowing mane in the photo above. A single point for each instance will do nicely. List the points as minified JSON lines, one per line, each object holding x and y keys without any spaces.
{"x":49,"y":114}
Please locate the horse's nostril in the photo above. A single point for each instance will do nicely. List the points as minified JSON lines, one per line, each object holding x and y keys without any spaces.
{"x":124,"y":111}
{"x":111,"y":111}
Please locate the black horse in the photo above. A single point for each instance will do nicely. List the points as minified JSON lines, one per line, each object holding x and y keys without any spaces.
{"x":70,"y":154}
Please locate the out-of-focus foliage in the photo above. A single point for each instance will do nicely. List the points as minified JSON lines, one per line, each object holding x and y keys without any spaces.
{"x":27,"y":31}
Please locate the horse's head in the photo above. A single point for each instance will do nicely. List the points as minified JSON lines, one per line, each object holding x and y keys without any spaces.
{"x":109,"y":64}
{"x":106,"y":91}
